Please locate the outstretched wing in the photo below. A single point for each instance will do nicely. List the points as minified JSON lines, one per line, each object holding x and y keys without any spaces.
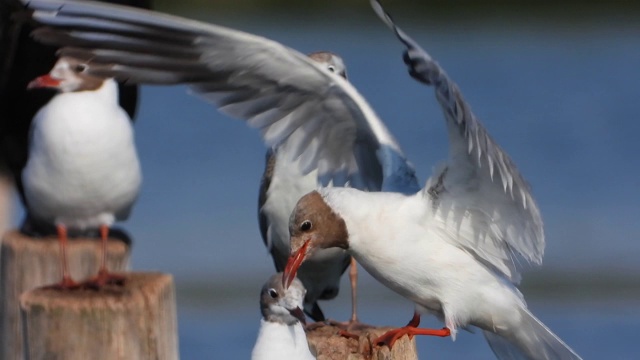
{"x":319,"y":116}
{"x":479,"y":200}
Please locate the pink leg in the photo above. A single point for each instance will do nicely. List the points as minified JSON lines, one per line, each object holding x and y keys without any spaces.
{"x":354,"y":324}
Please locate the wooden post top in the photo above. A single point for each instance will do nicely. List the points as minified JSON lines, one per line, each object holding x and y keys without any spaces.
{"x":136,"y":285}
{"x":135,"y":321}
{"x":328,"y":344}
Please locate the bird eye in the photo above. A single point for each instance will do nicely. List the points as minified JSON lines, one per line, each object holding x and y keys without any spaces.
{"x":80,"y":67}
{"x":273,"y":293}
{"x":331,"y":68}
{"x":305,"y":226}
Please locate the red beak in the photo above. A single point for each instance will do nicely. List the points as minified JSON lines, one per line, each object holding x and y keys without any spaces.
{"x":293,"y":265}
{"x":44,"y":81}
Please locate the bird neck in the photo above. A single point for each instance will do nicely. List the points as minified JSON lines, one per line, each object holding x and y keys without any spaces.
{"x":366,"y":214}
{"x":108,"y":91}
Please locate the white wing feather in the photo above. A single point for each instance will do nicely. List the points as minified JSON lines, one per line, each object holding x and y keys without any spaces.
{"x":493,"y":217}
{"x":289,"y":97}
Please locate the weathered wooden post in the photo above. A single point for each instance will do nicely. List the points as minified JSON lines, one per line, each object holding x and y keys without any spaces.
{"x":6,"y":200}
{"x":328,"y":344}
{"x":136,"y":321}
{"x":27,"y":263}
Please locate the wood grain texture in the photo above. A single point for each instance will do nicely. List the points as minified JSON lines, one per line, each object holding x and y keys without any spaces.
{"x":27,"y":263}
{"x":136,"y":321}
{"x":328,"y":344}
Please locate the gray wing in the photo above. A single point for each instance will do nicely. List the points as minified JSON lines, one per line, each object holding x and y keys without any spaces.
{"x":279,"y":259}
{"x":479,"y":199}
{"x":322,"y":119}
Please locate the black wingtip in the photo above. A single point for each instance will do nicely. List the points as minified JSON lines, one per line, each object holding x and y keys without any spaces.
{"x":421,"y":66}
{"x":383,"y":15}
{"x":388,"y":20}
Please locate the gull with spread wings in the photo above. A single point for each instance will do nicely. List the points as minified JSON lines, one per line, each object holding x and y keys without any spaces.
{"x":453,"y":248}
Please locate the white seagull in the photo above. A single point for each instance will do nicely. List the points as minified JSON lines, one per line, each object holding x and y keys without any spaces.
{"x":322,"y":132}
{"x":453,"y":248}
{"x":281,"y":334}
{"x":82,"y":170}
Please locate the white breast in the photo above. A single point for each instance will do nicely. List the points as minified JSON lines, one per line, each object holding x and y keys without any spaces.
{"x":83,"y":168}
{"x":278,"y":341}
{"x":287,"y":186}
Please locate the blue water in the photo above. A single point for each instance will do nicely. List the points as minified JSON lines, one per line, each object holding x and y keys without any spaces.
{"x":563,"y":100}
{"x":595,"y":332}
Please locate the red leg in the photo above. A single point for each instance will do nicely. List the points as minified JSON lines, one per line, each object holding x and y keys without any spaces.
{"x":415,"y":320}
{"x":104,"y":277}
{"x":353,"y":276}
{"x":389,"y":338}
{"x":104,"y":235}
{"x":66,"y":282}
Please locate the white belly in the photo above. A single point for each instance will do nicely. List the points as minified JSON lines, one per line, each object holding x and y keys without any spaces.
{"x":440,"y":278}
{"x":83,"y":167}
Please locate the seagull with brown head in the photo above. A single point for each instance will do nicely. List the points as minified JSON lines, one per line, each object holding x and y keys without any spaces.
{"x":453,"y":248}
{"x":82,"y":171}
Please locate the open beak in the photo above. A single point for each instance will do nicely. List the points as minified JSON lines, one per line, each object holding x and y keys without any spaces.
{"x":293,"y":265}
{"x":44,"y":81}
{"x":298,"y":314}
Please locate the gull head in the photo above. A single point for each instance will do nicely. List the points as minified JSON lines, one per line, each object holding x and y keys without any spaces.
{"x":68,"y":75}
{"x":281,"y":305}
{"x":330,"y":61}
{"x":313,"y":225}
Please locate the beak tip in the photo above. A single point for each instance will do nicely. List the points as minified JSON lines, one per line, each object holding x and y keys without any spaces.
{"x":32,"y":84}
{"x":299,"y":314}
{"x":43,"y":81}
{"x":293,"y":264}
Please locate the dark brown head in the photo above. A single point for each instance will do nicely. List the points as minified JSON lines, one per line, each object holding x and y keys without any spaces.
{"x":313,"y":225}
{"x":68,"y":75}
{"x":330,"y":61}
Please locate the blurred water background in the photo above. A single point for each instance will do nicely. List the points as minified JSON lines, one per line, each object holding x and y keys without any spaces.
{"x":558,"y":86}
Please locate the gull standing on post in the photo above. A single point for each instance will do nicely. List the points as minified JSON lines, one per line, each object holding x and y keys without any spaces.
{"x":303,"y":108}
{"x":82,"y":170}
{"x":22,"y":60}
{"x":281,"y":335}
{"x":453,"y":248}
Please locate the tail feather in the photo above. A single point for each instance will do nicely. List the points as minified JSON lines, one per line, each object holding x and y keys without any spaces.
{"x":502,"y":347}
{"x":531,"y":340}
